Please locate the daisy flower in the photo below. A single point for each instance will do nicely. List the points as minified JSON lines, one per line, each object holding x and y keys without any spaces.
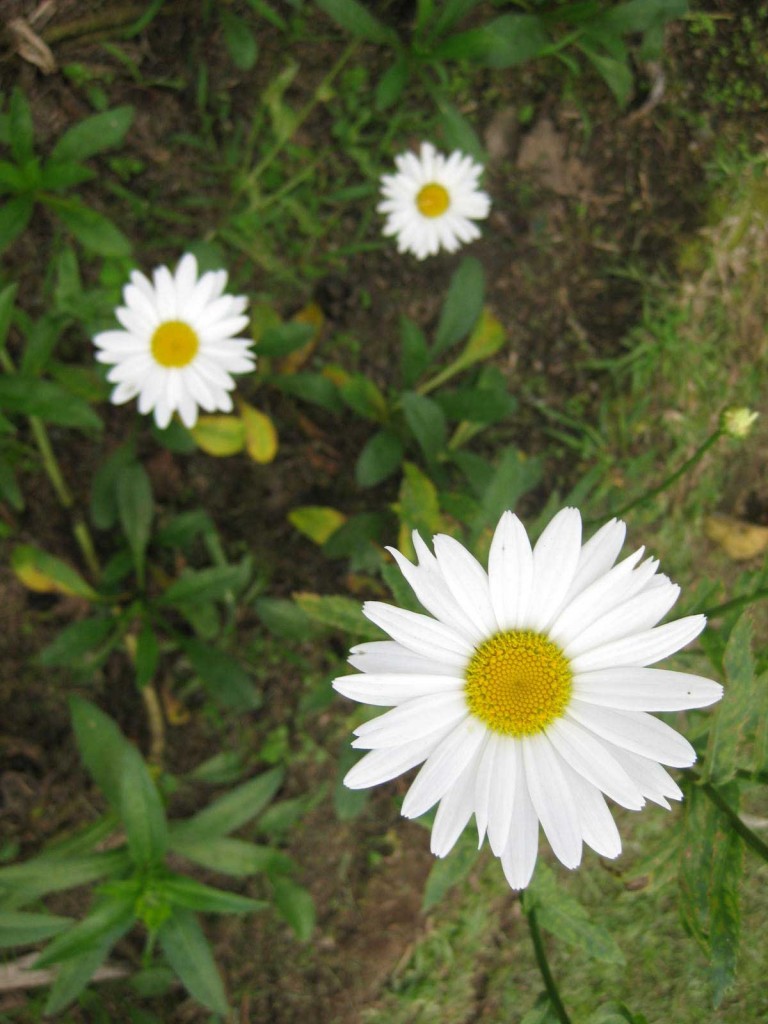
{"x":178,"y":348}
{"x":526,"y":690}
{"x":432,"y":201}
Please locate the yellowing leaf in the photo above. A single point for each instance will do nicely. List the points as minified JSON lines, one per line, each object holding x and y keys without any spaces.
{"x":740,"y":540}
{"x":260,"y":434}
{"x":219,"y":435}
{"x":46,"y":574}
{"x":318,"y":522}
{"x":484,"y":341}
{"x":418,"y":507}
{"x":263,"y":316}
{"x":312,"y":315}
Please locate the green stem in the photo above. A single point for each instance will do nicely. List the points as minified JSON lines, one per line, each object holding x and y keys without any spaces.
{"x":541,"y":959}
{"x":672,"y":478}
{"x":752,"y":840}
{"x":736,"y":602}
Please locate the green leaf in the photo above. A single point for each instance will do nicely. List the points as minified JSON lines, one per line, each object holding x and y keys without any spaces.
{"x":615,"y":72}
{"x":640,"y":15}
{"x":280,"y":339}
{"x":47,"y":574}
{"x":40,"y":343}
{"x":339,"y":612}
{"x":111,"y":917}
{"x":463,"y":304}
{"x":223,"y":676}
{"x":448,"y":872}
{"x":141,"y":809}
{"x":214,"y":584}
{"x":9,"y":487}
{"x":21,"y":129}
{"x":390,"y":86}
{"x":283,"y":617}
{"x":418,"y":507}
{"x":192,"y":895}
{"x":92,"y":229}
{"x":19,"y":928}
{"x":414,"y":355}
{"x":562,"y":915}
{"x":234,"y":857}
{"x":52,"y":404}
{"x":479,"y":405}
{"x":147,"y":655}
{"x":15,"y":214}
{"x":380,"y":458}
{"x":239,"y":40}
{"x":735,"y":718}
{"x":24,"y":883}
{"x":357,"y":20}
{"x":187,"y":951}
{"x":135,"y":509}
{"x":514,"y":475}
{"x":61,"y":176}
{"x":219,"y":435}
{"x":449,"y":12}
{"x":427,"y":423}
{"x":318,"y":522}
{"x":363,"y":397}
{"x":77,"y":641}
{"x":296,"y":905}
{"x":458,"y":133}
{"x":7,"y":299}
{"x":103,"y":507}
{"x":93,"y":135}
{"x":233,"y":810}
{"x":309,"y":387}
{"x":501,"y":43}
{"x":74,"y":974}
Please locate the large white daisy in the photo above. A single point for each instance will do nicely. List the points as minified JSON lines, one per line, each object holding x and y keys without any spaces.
{"x":433,"y":201}
{"x":526,"y":690}
{"x":178,"y":347}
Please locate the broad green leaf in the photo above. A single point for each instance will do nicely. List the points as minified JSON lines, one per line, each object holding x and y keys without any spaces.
{"x":463,"y":304}
{"x":318,"y":522}
{"x":15,"y":214}
{"x":339,"y":612}
{"x":515,"y":474}
{"x":390,"y":86}
{"x":57,"y":177}
{"x":136,"y":510}
{"x":22,"y":132}
{"x":414,"y":355}
{"x":381,"y":456}
{"x":92,"y":229}
{"x":561,"y":914}
{"x":219,"y":435}
{"x":417,"y":507}
{"x":103,"y":507}
{"x":309,"y":387}
{"x":735,"y":718}
{"x":282,"y":338}
{"x":363,"y":397}
{"x":93,"y":135}
{"x":260,"y":434}
{"x":40,"y":342}
{"x":615,"y":72}
{"x":640,"y":15}
{"x":458,"y":132}
{"x":187,"y":951}
{"x":448,"y":13}
{"x":7,"y":299}
{"x":233,"y":810}
{"x":112,"y":916}
{"x":357,"y":20}
{"x":147,"y":655}
{"x":479,"y":405}
{"x":427,"y":423}
{"x":19,"y":928}
{"x":501,"y":43}
{"x":48,"y":401}
{"x":47,"y":574}
{"x":141,"y":810}
{"x":284,"y":618}
{"x":74,"y":974}
{"x":239,"y":40}
{"x":234,"y":857}
{"x":195,"y":585}
{"x":725,"y":914}
{"x":24,"y":883}
{"x":223,"y":676}
{"x":358,"y":538}
{"x":192,"y":895}
{"x":486,"y":339}
{"x":296,"y":905}
{"x":78,"y":642}
{"x":102,"y":747}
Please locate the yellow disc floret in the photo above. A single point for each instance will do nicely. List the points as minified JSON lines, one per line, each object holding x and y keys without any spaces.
{"x":174,"y":344}
{"x":433,"y":200}
{"x":518,"y":682}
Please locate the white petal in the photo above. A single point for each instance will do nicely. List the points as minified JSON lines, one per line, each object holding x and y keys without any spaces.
{"x":636,"y":731}
{"x":421,"y":634}
{"x":379,"y":766}
{"x":598,"y":555}
{"x":510,"y":572}
{"x":597,"y":825}
{"x":592,"y":758}
{"x":386,"y":656}
{"x":419,"y":717}
{"x":631,"y":617}
{"x":501,"y":797}
{"x":484,"y":781}
{"x":643,"y":648}
{"x":653,"y":781}
{"x":645,"y":689}
{"x":443,"y":767}
{"x":433,"y":594}
{"x":555,"y":558}
{"x":390,"y":690}
{"x":467,"y":581}
{"x":519,"y":857}
{"x":454,"y":812}
{"x":552,"y":799}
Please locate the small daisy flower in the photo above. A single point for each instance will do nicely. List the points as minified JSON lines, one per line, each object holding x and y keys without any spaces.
{"x":179,"y":345}
{"x":432,"y":201}
{"x":525,"y":690}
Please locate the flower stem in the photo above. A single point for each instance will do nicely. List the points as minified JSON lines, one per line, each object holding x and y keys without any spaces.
{"x":156,"y":725}
{"x":672,"y":478}
{"x":543,"y":964}
{"x":736,"y":602}
{"x":751,"y":839}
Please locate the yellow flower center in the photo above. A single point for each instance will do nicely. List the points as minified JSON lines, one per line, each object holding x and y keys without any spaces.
{"x":433,"y":200}
{"x":174,"y":343}
{"x":518,"y":682}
